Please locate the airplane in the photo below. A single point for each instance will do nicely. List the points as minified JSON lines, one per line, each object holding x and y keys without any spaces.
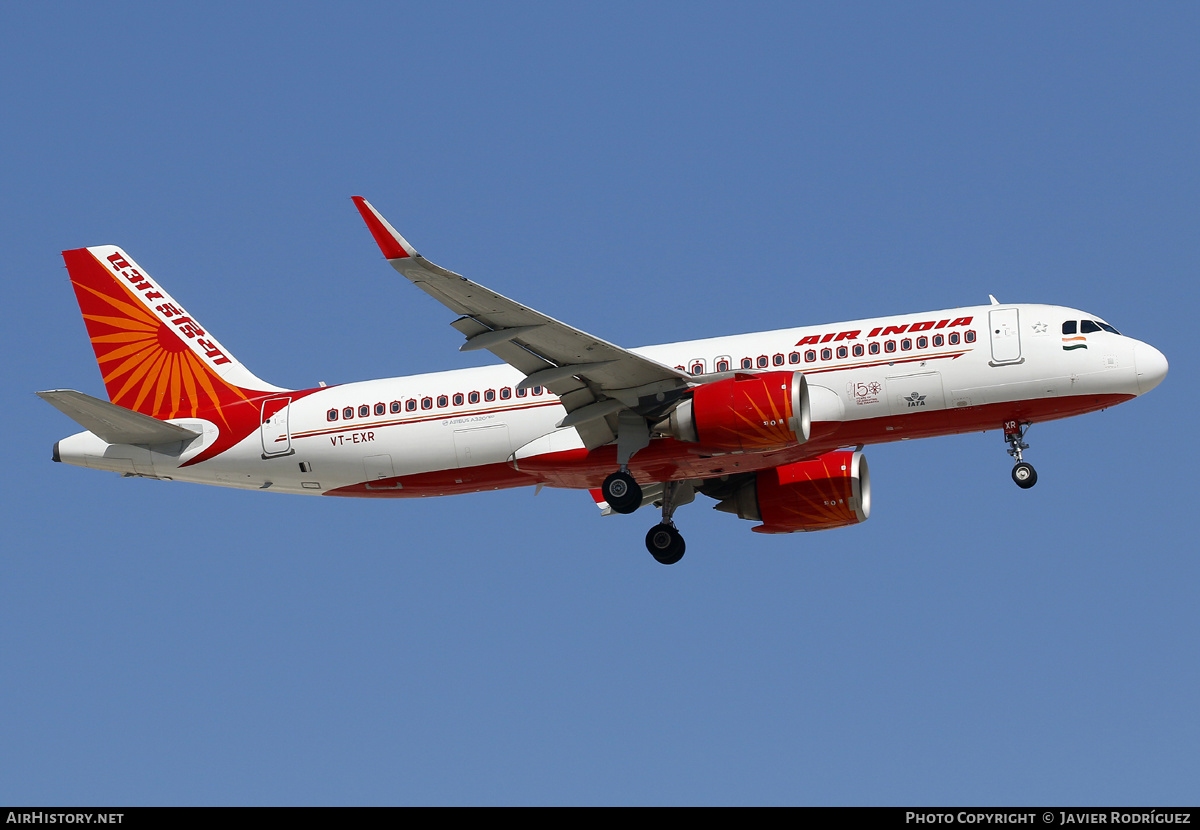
{"x":770,"y":424}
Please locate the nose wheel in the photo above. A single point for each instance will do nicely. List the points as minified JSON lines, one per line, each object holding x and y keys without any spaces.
{"x":1022,"y":473}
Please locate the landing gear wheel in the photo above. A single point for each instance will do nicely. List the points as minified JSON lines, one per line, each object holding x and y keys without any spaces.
{"x":1024,"y":475}
{"x":665,"y":544}
{"x":622,"y":493}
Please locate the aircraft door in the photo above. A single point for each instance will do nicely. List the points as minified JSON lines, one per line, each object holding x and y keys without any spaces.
{"x":1006,"y":336}
{"x":276,"y":437}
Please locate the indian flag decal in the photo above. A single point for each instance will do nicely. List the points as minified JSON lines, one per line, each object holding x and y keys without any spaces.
{"x":1071,"y":343}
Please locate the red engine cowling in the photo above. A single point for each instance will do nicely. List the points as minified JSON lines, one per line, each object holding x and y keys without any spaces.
{"x":745,"y":413}
{"x":820,"y":494}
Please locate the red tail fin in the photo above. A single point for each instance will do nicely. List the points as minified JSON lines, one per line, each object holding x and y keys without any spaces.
{"x":155,"y":358}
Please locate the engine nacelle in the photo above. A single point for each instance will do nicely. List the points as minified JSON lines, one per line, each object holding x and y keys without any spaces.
{"x":745,"y":413}
{"x":820,"y":494}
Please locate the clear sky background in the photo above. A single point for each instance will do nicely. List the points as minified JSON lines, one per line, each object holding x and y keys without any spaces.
{"x":650,"y":173}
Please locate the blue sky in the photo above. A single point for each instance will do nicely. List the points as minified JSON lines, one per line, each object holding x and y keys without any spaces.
{"x":649,"y":173}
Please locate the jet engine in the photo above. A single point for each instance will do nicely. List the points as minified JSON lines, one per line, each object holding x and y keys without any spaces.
{"x":744,"y":413}
{"x":822,"y":493}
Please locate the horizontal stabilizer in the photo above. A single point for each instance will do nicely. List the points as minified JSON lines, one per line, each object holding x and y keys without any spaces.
{"x":114,"y":424}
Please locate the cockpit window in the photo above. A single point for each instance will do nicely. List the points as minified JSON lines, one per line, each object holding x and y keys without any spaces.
{"x":1088,"y":327}
{"x":1069,"y":327}
{"x":1107,"y":327}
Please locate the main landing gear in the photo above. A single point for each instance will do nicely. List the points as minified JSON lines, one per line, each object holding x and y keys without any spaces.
{"x":622,"y":493}
{"x":665,"y":544}
{"x":1022,"y":473}
{"x":664,"y":541}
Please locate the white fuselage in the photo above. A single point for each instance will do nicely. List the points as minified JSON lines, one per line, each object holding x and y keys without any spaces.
{"x":869,"y":381}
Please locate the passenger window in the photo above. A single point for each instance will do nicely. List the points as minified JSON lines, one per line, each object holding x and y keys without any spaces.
{"x":395,"y":406}
{"x":458,"y":399}
{"x":810,"y":356}
{"x":1069,"y":327}
{"x":874,"y":347}
{"x":443,"y":401}
{"x":472,"y":397}
{"x":905,"y":345}
{"x":697,"y":369}
{"x":411,"y":404}
{"x":826,"y":354}
{"x":380,"y":409}
{"x":970,"y":337}
{"x":794,"y":357}
{"x":489,"y":395}
{"x":889,"y":346}
{"x":762,"y":361}
{"x":505,"y":393}
{"x":843,"y":351}
{"x":858,"y":350}
{"x":331,"y":415}
{"x":777,"y":360}
{"x":427,"y":403}
{"x":939,"y":340}
{"x":922,"y":342}
{"x":722,"y":365}
{"x":537,"y":390}
{"x":953,"y":338}
{"x":747,"y":363}
{"x":522,"y":392}
{"x":348,"y":412}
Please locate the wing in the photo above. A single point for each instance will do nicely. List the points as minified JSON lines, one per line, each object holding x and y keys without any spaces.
{"x":594,"y":379}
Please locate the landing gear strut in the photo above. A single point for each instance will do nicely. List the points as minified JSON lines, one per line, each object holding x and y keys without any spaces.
{"x":620,"y":490}
{"x":664,"y":542}
{"x":1022,"y":473}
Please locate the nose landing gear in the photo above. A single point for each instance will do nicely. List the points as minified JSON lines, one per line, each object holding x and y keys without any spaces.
{"x":1023,"y":473}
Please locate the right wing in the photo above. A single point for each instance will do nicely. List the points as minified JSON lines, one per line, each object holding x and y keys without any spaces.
{"x":594,"y":379}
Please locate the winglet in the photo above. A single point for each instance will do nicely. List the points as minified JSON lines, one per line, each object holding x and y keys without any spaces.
{"x":393,"y":245}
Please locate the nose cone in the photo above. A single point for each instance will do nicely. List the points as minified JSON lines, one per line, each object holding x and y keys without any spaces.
{"x":1151,"y":367}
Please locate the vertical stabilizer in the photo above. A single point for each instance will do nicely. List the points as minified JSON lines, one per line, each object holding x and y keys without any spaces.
{"x":154,"y":357}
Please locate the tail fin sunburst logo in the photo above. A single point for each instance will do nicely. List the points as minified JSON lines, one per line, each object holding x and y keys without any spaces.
{"x":155,"y":359}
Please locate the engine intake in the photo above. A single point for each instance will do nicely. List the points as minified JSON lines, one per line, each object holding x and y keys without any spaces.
{"x":745,"y":413}
{"x":819,"y":494}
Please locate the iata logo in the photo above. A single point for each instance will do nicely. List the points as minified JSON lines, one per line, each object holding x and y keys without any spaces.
{"x":915,"y":399}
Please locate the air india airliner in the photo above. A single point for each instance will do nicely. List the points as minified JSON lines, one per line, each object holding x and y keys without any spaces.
{"x":770,"y":425}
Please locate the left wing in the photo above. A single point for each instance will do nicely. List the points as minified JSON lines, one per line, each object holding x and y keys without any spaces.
{"x":594,"y":379}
